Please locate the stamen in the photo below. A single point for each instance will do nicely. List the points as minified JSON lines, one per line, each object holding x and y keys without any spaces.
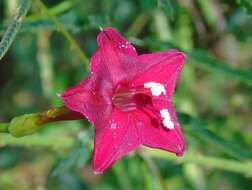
{"x":131,"y":98}
{"x":167,"y":119}
{"x":156,"y":88}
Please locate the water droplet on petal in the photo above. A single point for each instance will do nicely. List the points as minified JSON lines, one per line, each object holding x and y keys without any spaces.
{"x":114,"y":135}
{"x":113,"y":126}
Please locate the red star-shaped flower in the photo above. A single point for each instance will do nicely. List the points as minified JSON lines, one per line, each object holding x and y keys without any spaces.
{"x":128,"y":99}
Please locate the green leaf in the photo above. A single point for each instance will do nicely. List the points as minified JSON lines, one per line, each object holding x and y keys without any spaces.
{"x":46,"y":141}
{"x":199,"y":129}
{"x":246,"y":4}
{"x":14,"y":27}
{"x":212,"y":162}
{"x":170,"y":7}
{"x":208,"y":62}
{"x":200,"y":58}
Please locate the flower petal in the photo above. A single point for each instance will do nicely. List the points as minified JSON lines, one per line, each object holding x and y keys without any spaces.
{"x":114,"y":140}
{"x":117,"y":40}
{"x":162,"y":67}
{"x":159,"y":136}
{"x":115,"y":59}
{"x":91,"y":98}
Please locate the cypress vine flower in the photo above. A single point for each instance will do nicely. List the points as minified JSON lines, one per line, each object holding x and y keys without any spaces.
{"x":128,"y":99}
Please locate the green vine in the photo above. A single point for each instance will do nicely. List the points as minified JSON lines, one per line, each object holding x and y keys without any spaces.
{"x":73,"y":44}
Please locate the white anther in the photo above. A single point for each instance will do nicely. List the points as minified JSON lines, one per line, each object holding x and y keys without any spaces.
{"x":167,"y":119}
{"x":156,"y":88}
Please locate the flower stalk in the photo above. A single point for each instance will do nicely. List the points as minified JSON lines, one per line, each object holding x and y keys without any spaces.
{"x":28,"y":124}
{"x":4,"y":127}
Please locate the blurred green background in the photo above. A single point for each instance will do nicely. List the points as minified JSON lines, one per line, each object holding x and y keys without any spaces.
{"x":213,"y":97}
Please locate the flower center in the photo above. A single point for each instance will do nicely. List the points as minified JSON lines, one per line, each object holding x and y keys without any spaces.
{"x":132,"y":98}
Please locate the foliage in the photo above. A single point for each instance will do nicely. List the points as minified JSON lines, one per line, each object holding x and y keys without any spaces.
{"x":50,"y":53}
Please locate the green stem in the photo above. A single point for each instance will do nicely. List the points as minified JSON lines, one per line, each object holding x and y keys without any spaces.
{"x":38,"y":140}
{"x":4,"y":127}
{"x":200,"y":58}
{"x":138,"y":25}
{"x":152,"y":166}
{"x":55,"y":10}
{"x":30,"y":123}
{"x":65,"y":33}
{"x":36,"y":22}
{"x":45,"y":62}
{"x":14,"y":27}
{"x":200,"y":129}
{"x":211,"y":162}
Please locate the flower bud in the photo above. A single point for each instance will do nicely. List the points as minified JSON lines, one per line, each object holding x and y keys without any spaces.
{"x":25,"y":125}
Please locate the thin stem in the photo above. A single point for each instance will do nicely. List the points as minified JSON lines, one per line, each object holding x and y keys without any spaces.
{"x":65,"y":33}
{"x":55,"y":10}
{"x":30,"y":123}
{"x":58,"y":114}
{"x":45,"y":62}
{"x":14,"y":27}
{"x":38,"y":140}
{"x":152,"y":166}
{"x":37,"y":22}
{"x":138,"y":25}
{"x":208,"y":161}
